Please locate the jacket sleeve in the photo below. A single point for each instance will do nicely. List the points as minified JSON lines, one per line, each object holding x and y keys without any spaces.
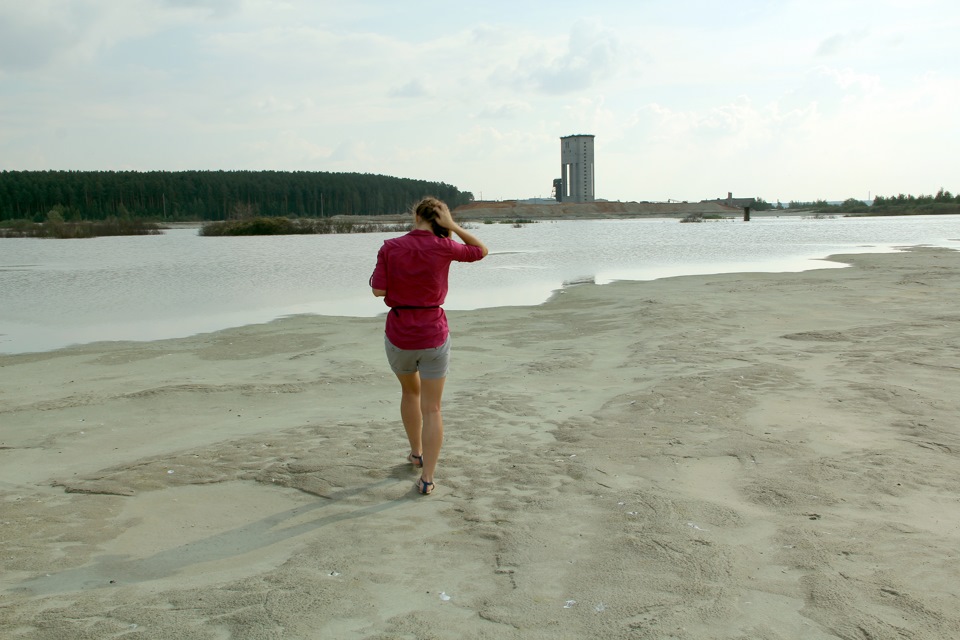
{"x":379,"y":278}
{"x":465,"y":252}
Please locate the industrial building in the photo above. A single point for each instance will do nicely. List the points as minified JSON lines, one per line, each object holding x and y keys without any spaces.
{"x":730,"y":201}
{"x":576,"y":182}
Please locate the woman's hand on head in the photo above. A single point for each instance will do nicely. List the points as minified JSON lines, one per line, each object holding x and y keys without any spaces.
{"x":445,"y":218}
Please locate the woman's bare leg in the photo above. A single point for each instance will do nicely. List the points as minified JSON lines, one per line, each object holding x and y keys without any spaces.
{"x":432,"y":432}
{"x":410,"y":410}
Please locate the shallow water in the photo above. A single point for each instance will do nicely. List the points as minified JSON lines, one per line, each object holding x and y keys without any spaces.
{"x":54,"y":293}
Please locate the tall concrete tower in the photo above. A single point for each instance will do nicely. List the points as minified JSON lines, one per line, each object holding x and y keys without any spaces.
{"x":576,"y":169}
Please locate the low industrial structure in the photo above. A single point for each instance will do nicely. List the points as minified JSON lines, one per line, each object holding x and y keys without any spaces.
{"x":730,"y":201}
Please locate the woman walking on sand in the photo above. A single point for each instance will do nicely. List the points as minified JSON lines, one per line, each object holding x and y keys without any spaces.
{"x":411,"y":276}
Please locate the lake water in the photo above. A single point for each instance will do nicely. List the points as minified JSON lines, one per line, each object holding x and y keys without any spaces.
{"x":54,"y":293}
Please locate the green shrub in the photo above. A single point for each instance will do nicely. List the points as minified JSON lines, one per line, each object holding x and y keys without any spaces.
{"x":281,"y":226}
{"x":55,"y":227}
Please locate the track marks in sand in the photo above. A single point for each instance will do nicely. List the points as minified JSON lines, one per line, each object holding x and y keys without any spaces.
{"x":285,"y":571}
{"x":850,"y":602}
{"x":313,"y":459}
{"x":843,"y":512}
{"x":200,"y":393}
{"x":82,"y":400}
{"x":355,"y":476}
{"x":880,"y":351}
{"x":652,"y":436}
{"x":50,"y":532}
{"x":243,"y":389}
{"x":562,"y":507}
{"x":663,"y":411}
{"x":209,"y":531}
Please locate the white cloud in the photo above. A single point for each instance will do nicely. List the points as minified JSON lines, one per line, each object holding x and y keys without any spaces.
{"x":412,"y":89}
{"x":272,"y":105}
{"x":840,"y":42}
{"x":847,"y":79}
{"x":34,"y":34}
{"x":215,"y":8}
{"x":587,"y":56}
{"x":504,"y":110}
{"x":42,"y":33}
{"x":351,"y":153}
{"x":590,"y":54}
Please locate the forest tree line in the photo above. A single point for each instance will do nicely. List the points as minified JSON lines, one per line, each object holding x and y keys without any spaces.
{"x":210,"y":195}
{"x":943,"y":202}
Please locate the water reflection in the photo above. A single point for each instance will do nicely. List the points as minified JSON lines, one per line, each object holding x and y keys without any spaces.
{"x":789,"y":265}
{"x":56,"y":293}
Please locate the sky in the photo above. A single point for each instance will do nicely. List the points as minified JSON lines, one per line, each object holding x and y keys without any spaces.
{"x":688,"y":99}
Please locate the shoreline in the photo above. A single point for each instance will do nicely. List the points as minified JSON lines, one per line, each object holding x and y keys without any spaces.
{"x":733,"y":455}
{"x":206,"y":326}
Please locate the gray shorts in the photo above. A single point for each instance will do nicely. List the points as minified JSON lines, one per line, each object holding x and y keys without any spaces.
{"x":431,"y":363}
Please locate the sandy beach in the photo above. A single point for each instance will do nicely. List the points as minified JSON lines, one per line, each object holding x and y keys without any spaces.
{"x":749,"y":456}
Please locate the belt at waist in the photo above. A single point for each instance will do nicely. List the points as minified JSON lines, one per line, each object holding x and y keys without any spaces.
{"x":396,"y":309}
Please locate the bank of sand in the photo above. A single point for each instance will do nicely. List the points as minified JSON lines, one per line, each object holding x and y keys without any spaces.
{"x":732,"y":456}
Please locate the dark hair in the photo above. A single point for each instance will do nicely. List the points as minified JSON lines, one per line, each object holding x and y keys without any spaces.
{"x":429,"y":209}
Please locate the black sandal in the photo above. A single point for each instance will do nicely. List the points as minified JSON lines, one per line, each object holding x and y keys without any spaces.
{"x":415,"y":460}
{"x":424,"y":488}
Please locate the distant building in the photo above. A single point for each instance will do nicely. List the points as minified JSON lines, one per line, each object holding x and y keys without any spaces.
{"x":730,"y":201}
{"x":576,"y":182}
